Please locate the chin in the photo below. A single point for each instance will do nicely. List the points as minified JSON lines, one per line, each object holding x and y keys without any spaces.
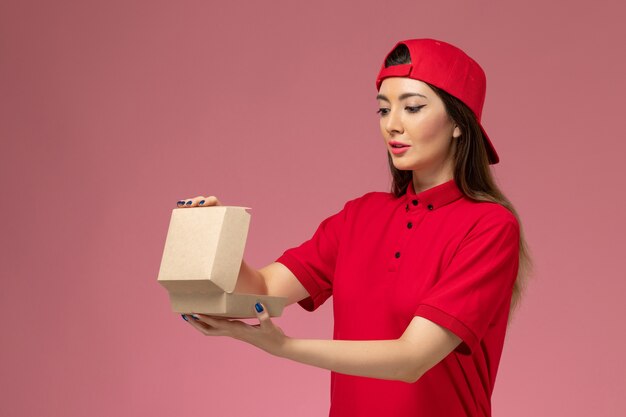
{"x":405,"y":165}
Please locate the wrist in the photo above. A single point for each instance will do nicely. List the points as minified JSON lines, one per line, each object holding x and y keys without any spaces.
{"x":285,"y":348}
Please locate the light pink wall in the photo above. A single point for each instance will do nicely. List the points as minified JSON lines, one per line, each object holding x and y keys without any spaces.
{"x":112,"y":111}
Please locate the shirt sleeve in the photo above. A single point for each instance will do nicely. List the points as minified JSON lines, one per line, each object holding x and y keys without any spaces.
{"x":477,"y":282}
{"x":313,"y":262}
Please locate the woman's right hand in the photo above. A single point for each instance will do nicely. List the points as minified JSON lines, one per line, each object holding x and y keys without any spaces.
{"x":200,"y":201}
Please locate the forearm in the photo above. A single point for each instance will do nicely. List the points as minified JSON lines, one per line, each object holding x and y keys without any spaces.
{"x":250,"y":281}
{"x":383,"y":359}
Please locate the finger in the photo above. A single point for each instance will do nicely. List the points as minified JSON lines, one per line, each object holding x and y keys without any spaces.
{"x":199,"y":201}
{"x":193,"y":202}
{"x":209,"y":201}
{"x":211,"y":321}
{"x":189,"y":202}
{"x":203,"y":328}
{"x":229,"y":327}
{"x":218,"y":322}
{"x":263,"y":315}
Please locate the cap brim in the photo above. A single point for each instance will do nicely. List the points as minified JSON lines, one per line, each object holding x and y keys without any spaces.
{"x":491,"y":151}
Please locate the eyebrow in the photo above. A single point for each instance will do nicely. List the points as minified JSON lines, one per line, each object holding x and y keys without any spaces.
{"x":402,"y":96}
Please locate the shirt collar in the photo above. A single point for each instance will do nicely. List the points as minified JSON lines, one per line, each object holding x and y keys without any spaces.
{"x":432,"y":198}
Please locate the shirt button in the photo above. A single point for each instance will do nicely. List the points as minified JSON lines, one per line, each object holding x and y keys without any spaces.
{"x":414,"y":202}
{"x":430,"y":207}
{"x":397,"y":254}
{"x":409,"y":225}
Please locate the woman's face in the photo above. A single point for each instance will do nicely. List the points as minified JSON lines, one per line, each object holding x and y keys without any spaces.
{"x":411,"y":113}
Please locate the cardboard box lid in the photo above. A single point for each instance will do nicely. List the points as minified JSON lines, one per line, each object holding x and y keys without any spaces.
{"x":203,"y":249}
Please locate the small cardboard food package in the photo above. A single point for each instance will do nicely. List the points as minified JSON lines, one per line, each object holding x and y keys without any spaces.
{"x":201,"y":260}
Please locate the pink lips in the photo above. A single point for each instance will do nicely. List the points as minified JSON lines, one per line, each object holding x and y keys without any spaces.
{"x":398,"y":150}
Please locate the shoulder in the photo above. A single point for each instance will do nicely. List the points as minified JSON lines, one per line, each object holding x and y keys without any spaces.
{"x":371,"y":203}
{"x":368,"y":200}
{"x":484,"y":211}
{"x":488,"y":216}
{"x":376,"y":198}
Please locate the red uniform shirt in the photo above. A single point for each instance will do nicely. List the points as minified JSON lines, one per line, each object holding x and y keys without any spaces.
{"x":435,"y":254}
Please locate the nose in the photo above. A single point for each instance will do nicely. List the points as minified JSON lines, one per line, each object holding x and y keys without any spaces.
{"x":393,"y":122}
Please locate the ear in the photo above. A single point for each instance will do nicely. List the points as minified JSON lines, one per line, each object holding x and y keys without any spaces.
{"x":456,"y":132}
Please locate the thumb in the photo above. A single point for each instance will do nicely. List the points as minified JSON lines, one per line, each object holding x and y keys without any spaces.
{"x":262,"y":314}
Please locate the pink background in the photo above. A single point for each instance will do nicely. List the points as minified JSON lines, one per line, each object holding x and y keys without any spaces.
{"x":112,"y":111}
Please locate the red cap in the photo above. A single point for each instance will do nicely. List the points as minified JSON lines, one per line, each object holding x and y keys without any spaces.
{"x":449,"y":68}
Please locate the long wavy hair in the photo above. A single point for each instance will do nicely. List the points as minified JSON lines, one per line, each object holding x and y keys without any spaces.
{"x":471,"y":171}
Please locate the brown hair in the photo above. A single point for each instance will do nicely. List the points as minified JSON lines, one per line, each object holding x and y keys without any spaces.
{"x":471,"y":170}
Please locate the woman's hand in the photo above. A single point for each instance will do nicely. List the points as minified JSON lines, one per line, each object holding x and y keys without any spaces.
{"x":200,"y":201}
{"x":264,"y":335}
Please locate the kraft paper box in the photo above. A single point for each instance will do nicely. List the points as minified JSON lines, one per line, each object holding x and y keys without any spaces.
{"x":201,"y":260}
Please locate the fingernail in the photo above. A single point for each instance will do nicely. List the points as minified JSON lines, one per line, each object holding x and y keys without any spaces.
{"x":195,"y":317}
{"x":180,"y":203}
{"x":202,"y":202}
{"x":189,"y":202}
{"x":259,"y":307}
{"x":184,"y":318}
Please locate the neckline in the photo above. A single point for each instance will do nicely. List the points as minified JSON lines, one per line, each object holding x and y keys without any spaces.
{"x":432,"y":198}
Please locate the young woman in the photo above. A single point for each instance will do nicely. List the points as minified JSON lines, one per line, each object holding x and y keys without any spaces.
{"x":425,"y":278}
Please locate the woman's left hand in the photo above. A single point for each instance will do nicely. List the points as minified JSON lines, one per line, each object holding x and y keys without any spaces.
{"x":264,"y":335}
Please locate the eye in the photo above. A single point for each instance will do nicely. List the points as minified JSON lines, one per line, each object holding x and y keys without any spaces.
{"x":411,"y":109}
{"x":414,"y":109}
